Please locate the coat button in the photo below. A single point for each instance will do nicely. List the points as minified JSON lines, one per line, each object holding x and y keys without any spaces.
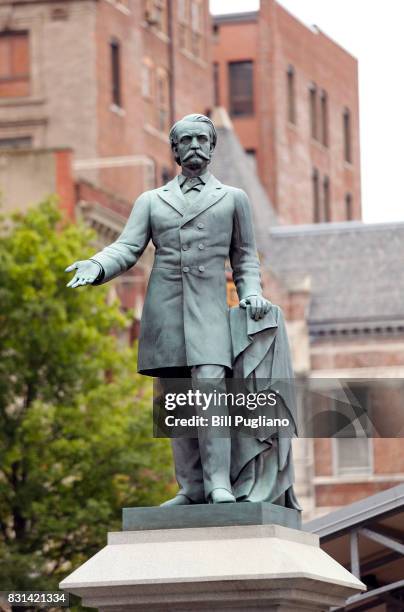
{"x":185,"y":247}
{"x":201,"y":246}
{"x":200,"y":225}
{"x":185,"y":269}
{"x":201,"y":268}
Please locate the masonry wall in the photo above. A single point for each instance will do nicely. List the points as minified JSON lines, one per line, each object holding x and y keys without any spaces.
{"x":318,"y":60}
{"x":121,"y":148}
{"x":136,"y":128}
{"x":49,"y":171}
{"x":59,"y":108}
{"x":286,"y":153}
{"x":368,"y":358}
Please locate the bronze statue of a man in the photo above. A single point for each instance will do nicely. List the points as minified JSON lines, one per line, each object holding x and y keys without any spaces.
{"x":195,"y":223}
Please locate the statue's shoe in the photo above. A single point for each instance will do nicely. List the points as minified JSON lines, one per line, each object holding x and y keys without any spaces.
{"x":178,"y":500}
{"x":221,"y":496}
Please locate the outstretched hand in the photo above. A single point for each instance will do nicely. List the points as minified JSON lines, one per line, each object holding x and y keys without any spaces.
{"x":86,"y":273}
{"x":259,"y":306}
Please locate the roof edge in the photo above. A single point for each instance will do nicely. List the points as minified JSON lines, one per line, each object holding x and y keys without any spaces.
{"x":363,"y":510}
{"x":235,"y":17}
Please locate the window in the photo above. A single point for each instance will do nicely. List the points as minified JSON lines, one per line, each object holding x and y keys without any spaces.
{"x":115,"y":50}
{"x":313,"y":110}
{"x":20,"y":142}
{"x":316,"y":196}
{"x":162,"y":101}
{"x":347,"y":135}
{"x":326,"y":199}
{"x":241,"y":88}
{"x":182,"y":10}
{"x":196,"y":27}
{"x":216,"y":83}
{"x":14,"y":64}
{"x":290,"y":83}
{"x":147,"y":79}
{"x":354,"y":455}
{"x":196,"y":44}
{"x":196,"y":18}
{"x":324,"y":118}
{"x":348,"y":207}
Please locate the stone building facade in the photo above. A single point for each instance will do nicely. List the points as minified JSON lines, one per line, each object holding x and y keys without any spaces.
{"x":292,"y":94}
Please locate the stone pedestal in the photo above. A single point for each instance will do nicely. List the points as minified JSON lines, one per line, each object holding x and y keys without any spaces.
{"x":233,"y":568}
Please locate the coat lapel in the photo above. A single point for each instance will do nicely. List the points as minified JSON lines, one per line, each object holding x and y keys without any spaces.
{"x":210,"y":194}
{"x":172,"y":194}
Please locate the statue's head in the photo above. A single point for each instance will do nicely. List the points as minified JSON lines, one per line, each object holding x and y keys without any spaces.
{"x":193,"y":140}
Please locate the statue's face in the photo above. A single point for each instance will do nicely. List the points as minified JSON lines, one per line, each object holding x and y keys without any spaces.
{"x":194,"y":148}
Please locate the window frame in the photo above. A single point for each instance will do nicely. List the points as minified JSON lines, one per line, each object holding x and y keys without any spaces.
{"x":347,"y":134}
{"x":348,"y":201}
{"x":250,"y":100}
{"x":355,"y":471}
{"x":313,"y":111}
{"x":324,"y":113}
{"x":115,"y":49}
{"x":13,"y":76}
{"x":326,"y":199}
{"x":315,"y":186}
{"x":291,"y":95}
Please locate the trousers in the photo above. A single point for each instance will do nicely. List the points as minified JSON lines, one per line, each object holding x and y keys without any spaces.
{"x":202,"y":464}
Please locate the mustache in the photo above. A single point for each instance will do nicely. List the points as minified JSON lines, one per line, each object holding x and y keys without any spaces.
{"x":197,"y":152}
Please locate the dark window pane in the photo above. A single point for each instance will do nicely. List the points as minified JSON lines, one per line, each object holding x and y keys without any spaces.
{"x":241,"y":88}
{"x":290,"y":78}
{"x":20,"y":142}
{"x":327,"y":204}
{"x":347,"y":135}
{"x":216,"y":84}
{"x":313,"y":110}
{"x":316,"y":197}
{"x":348,"y":207}
{"x":324,"y":119}
{"x":116,"y":73}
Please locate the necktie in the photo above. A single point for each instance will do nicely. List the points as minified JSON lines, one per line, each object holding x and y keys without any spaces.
{"x":192,"y":187}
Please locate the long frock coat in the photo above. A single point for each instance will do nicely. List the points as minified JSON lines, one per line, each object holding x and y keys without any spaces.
{"x":185,"y":319}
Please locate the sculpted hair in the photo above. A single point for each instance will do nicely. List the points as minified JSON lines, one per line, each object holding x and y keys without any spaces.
{"x":194,"y":117}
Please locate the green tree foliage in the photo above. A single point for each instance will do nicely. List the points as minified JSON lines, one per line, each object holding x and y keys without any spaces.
{"x":76,"y":439}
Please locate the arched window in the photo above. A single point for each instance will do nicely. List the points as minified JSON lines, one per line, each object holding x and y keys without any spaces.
{"x":290,"y":85}
{"x":316,"y":196}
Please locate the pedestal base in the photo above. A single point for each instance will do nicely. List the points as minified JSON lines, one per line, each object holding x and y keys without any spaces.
{"x":235,"y":568}
{"x":209,"y":515}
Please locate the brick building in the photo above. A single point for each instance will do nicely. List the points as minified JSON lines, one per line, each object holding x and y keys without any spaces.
{"x":346,"y":327}
{"x":292,"y":94}
{"x":106,"y":79}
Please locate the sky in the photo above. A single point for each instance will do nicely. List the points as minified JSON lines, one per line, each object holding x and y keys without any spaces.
{"x":373,"y":32}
